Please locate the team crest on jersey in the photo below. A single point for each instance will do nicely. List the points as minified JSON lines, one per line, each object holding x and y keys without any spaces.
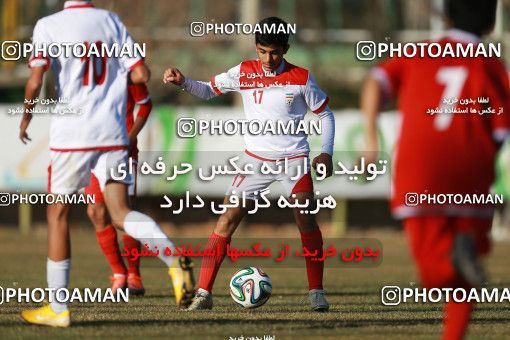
{"x":289,"y":98}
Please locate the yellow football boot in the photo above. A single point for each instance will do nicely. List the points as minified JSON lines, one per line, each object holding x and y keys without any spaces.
{"x":183,"y":281}
{"x":47,"y":317}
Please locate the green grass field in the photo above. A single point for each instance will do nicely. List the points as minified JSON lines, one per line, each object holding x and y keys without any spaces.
{"x":354,"y":294}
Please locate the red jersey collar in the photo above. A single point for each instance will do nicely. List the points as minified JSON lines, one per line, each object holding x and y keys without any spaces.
{"x":77,"y":4}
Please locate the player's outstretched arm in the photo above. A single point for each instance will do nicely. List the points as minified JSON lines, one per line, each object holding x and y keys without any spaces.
{"x":199,"y":89}
{"x":371,"y":96}
{"x":174,"y":76}
{"x":32,"y":90}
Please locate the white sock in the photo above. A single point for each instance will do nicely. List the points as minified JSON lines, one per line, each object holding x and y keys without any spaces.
{"x":144,"y":229}
{"x":57,"y":274}
{"x":202,"y":291}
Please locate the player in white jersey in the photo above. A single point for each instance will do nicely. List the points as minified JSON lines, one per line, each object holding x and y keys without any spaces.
{"x":96,"y":86}
{"x":272,"y":90}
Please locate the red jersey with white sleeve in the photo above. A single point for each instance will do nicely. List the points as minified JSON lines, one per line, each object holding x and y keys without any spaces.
{"x":446,"y":153}
{"x":94,"y":86}
{"x":137,"y":94}
{"x":282,"y":96}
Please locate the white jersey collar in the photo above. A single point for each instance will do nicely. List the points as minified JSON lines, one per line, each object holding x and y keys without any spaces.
{"x":462,"y":36}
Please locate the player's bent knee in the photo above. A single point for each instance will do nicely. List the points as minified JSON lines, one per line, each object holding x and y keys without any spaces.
{"x":96,"y":213}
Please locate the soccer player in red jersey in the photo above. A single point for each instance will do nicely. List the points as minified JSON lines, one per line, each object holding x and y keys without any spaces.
{"x":105,"y":231}
{"x":445,"y":153}
{"x":281,"y":92}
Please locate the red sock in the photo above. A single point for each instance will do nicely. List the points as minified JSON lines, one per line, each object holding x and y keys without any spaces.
{"x":107,"y":239}
{"x":131,"y":243}
{"x":456,"y":319}
{"x":211,"y":264}
{"x":314,"y":269}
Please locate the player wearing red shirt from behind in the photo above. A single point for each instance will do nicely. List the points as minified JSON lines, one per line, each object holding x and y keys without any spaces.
{"x":105,"y":231}
{"x":445,"y":153}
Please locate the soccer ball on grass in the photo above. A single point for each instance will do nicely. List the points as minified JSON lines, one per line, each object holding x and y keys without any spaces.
{"x":250,"y":287}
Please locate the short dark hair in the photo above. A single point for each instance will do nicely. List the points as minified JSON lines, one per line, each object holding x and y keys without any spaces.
{"x":267,"y":39}
{"x":474,"y":16}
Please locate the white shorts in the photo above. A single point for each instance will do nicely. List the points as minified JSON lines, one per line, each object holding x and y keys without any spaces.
{"x":96,"y":189}
{"x":70,"y":171}
{"x":294,"y":179}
